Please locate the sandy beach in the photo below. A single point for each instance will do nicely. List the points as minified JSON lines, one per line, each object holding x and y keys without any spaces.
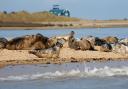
{"x":12,"y":57}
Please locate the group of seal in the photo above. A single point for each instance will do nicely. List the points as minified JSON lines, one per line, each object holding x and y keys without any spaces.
{"x":38,"y":45}
{"x":43,"y":46}
{"x":107,"y":44}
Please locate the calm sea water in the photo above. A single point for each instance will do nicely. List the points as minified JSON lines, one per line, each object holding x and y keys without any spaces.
{"x":95,"y":75}
{"x":100,"y":32}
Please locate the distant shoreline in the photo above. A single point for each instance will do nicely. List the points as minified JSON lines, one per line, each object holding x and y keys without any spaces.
{"x":45,"y":20}
{"x":64,"y":25}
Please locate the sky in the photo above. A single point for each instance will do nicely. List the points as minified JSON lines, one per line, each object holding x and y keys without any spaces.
{"x":86,"y":9}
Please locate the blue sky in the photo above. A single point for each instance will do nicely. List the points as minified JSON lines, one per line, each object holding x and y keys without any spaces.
{"x":87,"y":9}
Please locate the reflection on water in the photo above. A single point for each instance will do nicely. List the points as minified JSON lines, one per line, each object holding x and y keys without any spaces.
{"x":100,"y":32}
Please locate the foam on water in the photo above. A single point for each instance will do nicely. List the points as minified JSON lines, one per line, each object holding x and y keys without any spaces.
{"x":88,"y":72}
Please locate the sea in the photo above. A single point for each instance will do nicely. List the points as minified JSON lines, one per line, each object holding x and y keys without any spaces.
{"x":83,"y":75}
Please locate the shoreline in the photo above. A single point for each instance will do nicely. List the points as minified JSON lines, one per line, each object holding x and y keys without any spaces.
{"x":64,"y":25}
{"x":19,"y":57}
{"x":59,"y":62}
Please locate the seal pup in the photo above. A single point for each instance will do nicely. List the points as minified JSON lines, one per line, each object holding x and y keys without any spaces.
{"x":48,"y":53}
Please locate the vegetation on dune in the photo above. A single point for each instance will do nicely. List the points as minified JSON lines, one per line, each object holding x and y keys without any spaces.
{"x":42,"y":19}
{"x":24,"y":16}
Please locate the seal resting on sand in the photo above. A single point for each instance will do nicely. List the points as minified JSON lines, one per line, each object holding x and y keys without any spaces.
{"x":120,"y":48}
{"x":104,"y":48}
{"x":27,"y":42}
{"x":95,"y":41}
{"x":82,"y":44}
{"x":3,"y":42}
{"x":48,"y":53}
{"x":111,"y":39}
{"x":72,"y":42}
{"x":124,"y":41}
{"x":85,"y":45}
{"x":65,"y":37}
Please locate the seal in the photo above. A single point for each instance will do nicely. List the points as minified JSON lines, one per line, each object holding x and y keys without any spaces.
{"x":95,"y":41}
{"x":103,"y":48}
{"x":110,"y":39}
{"x":72,"y":42}
{"x":85,"y":45}
{"x":81,"y":44}
{"x":120,"y":48}
{"x":124,"y":41}
{"x":48,"y":53}
{"x":28,"y":42}
{"x":66,"y":37}
{"x":3,"y":43}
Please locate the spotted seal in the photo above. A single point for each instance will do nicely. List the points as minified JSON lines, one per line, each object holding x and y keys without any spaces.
{"x":48,"y":53}
{"x":124,"y":41}
{"x":120,"y":48}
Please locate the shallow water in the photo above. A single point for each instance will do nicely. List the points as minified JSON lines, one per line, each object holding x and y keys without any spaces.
{"x":100,"y":32}
{"x":95,"y":75}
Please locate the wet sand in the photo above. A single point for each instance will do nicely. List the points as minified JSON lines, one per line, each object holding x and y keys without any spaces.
{"x":13,"y":57}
